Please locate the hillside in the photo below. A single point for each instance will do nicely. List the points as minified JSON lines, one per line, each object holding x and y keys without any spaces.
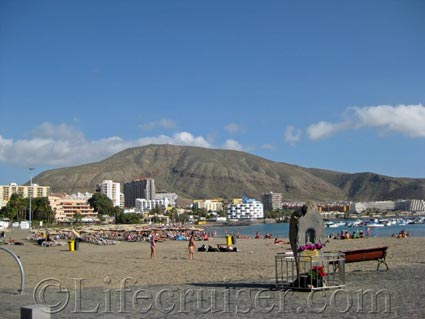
{"x":194,"y":172}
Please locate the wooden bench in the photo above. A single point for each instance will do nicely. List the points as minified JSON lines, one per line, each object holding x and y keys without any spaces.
{"x":365,"y":254}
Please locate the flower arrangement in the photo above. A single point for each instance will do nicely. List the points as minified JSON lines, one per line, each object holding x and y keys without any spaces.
{"x":317,"y":272}
{"x":309,"y":246}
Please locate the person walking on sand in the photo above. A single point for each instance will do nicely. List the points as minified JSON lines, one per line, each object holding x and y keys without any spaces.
{"x":153,"y":246}
{"x":191,"y":247}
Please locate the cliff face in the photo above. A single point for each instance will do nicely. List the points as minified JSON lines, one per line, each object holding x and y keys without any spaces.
{"x":194,"y":172}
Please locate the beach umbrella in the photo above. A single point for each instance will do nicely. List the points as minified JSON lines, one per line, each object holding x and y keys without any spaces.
{"x":76,"y":233}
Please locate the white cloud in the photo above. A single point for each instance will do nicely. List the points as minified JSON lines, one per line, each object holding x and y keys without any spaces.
{"x":161,"y":123}
{"x":324,"y":129}
{"x":405,"y":119}
{"x":234,"y":128}
{"x":185,"y":138}
{"x":63,"y":145}
{"x":231,"y":144}
{"x":292,"y":135}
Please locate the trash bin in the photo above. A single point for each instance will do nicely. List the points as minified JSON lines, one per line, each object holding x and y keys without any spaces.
{"x":76,"y":244}
{"x":229,"y":240}
{"x":71,"y":245}
{"x":233,"y":240}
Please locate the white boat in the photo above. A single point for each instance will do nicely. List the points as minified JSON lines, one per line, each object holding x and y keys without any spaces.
{"x":335,"y":224}
{"x":403,"y":223}
{"x":356,"y":223}
{"x":374,"y":225}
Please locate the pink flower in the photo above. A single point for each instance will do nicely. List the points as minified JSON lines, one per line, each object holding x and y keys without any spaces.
{"x":311,"y":246}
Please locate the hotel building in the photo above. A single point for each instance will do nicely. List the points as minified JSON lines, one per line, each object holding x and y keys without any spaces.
{"x":272,"y":201}
{"x":65,"y":208}
{"x":6,"y":191}
{"x":112,"y":190}
{"x":247,"y":209}
{"x":213,"y":205}
{"x":142,"y":188}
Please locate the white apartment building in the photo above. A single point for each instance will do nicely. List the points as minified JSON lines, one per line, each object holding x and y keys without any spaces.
{"x":417,"y":205}
{"x":247,"y":209}
{"x":146,"y":204}
{"x":171,"y":197}
{"x":411,"y":205}
{"x":382,"y":205}
{"x":112,"y":190}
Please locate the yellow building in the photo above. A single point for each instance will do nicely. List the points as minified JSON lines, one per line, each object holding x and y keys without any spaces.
{"x":236,"y":201}
{"x":213,"y":205}
{"x":6,"y":191}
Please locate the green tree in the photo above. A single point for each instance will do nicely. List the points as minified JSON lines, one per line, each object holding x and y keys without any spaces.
{"x":3,"y":212}
{"x":77,"y":218}
{"x":42,"y":210}
{"x":200,"y":212}
{"x":157,"y":210}
{"x":182,"y":218}
{"x":102,"y":204}
{"x":222,"y":213}
{"x":115,"y":212}
{"x":16,"y":208}
{"x":278,"y":213}
{"x":131,"y":218}
{"x":173,"y":214}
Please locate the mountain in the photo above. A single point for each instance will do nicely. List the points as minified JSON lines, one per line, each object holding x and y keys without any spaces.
{"x":196,"y":173}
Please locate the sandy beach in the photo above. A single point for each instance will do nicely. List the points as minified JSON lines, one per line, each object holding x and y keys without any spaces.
{"x":255,"y":261}
{"x":107,"y":266}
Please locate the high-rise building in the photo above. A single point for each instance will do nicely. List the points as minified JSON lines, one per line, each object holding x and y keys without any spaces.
{"x":272,"y":201}
{"x":112,"y":190}
{"x":6,"y":192}
{"x":142,"y":188}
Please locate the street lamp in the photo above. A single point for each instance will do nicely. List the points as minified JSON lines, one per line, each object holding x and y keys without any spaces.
{"x":31,"y":169}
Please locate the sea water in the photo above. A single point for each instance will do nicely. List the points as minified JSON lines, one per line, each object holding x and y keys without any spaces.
{"x":281,"y":230}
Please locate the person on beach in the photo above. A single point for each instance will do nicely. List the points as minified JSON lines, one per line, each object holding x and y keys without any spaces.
{"x":153,"y":246}
{"x":279,"y":241}
{"x":191,"y":247}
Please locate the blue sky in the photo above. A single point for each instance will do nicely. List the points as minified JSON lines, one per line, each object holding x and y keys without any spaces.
{"x":327,"y":84}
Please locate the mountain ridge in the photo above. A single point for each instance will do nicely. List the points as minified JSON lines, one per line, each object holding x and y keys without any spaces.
{"x":196,"y":173}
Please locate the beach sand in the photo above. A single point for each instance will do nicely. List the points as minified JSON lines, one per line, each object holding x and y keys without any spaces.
{"x":255,"y":261}
{"x":107,"y":266}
